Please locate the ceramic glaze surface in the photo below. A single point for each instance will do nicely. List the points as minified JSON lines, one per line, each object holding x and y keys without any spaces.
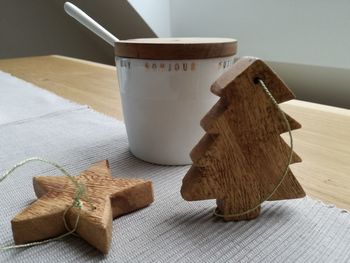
{"x":163,"y":103}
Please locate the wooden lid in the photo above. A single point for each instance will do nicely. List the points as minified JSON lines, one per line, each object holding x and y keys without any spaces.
{"x":176,"y":48}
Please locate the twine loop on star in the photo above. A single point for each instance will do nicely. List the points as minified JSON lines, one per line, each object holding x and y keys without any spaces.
{"x":76,"y":202}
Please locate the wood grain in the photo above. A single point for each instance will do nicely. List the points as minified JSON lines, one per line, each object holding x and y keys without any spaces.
{"x":241,"y":159}
{"x":323,"y":142}
{"x":111,"y":197}
{"x":81,"y":81}
{"x":176,"y":48}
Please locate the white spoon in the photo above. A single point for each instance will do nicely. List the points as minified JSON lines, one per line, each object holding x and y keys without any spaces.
{"x":91,"y":24}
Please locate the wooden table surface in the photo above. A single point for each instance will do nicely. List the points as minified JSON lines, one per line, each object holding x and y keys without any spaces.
{"x":323,"y":142}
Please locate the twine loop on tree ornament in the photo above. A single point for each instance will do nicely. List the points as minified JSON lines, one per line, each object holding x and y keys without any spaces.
{"x":274,"y":102}
{"x":76,"y":203}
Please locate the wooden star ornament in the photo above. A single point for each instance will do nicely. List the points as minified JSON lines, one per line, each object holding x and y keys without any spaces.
{"x":111,"y":197}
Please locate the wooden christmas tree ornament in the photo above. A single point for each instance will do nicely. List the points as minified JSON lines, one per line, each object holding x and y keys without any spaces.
{"x":111,"y":197}
{"x":242,"y":158}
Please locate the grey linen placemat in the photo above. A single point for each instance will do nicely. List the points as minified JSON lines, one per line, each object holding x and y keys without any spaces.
{"x":171,"y":229}
{"x":20,"y":100}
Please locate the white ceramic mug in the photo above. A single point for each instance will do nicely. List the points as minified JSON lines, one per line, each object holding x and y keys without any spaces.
{"x":163,"y":102}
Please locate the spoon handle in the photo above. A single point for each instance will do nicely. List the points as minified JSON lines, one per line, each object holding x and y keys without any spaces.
{"x":91,"y":24}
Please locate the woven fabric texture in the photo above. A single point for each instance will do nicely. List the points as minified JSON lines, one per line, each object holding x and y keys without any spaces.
{"x":169,"y":230}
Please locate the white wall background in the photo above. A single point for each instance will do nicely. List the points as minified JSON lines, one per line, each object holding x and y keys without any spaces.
{"x":313,"y":32}
{"x":156,"y":13}
{"x":299,"y":31}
